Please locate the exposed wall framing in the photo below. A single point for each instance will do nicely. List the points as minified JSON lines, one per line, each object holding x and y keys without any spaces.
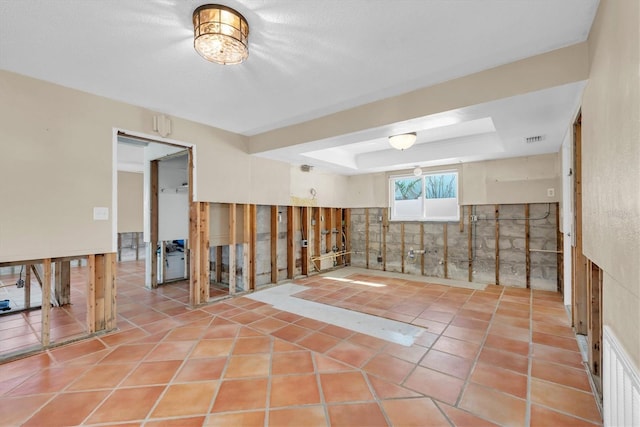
{"x":45,"y":333}
{"x":305,"y":223}
{"x":154,"y":226}
{"x":101,"y":293}
{"x":273,"y":244}
{"x":493,"y":246}
{"x":367,"y":250}
{"x":199,"y":219}
{"x":346,"y":221}
{"x":580,"y":302}
{"x":232,"y":248}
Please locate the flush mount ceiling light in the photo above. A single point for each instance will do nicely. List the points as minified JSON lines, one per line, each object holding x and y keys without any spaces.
{"x":403,"y":141}
{"x":220,"y":34}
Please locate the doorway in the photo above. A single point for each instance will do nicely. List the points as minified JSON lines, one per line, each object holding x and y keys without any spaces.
{"x":172,"y":211}
{"x":579,"y":261}
{"x":587,"y":278}
{"x":159,"y":209}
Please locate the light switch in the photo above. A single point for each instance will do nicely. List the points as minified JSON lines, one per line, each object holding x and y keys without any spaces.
{"x":100,"y":214}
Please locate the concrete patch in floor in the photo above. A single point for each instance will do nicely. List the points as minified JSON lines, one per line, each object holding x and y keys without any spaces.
{"x":280,"y":297}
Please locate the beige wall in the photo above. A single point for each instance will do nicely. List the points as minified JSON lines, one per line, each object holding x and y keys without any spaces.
{"x":368,"y":191}
{"x":611,"y":165}
{"x":555,"y":68}
{"x":57,"y":155}
{"x":511,"y":181}
{"x":505,"y":181}
{"x":130,"y":202}
{"x":329,"y":190}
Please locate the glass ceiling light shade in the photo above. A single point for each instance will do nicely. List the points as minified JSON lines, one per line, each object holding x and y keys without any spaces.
{"x":403,"y":141}
{"x":220,"y":34}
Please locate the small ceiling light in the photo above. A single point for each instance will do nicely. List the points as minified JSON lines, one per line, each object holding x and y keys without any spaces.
{"x":403,"y":141}
{"x":417,"y":171}
{"x":220,"y":34}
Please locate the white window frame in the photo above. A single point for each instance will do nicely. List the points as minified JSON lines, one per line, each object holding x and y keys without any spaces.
{"x":424,"y":215}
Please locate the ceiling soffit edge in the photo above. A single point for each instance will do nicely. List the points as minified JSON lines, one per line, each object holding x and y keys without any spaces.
{"x":555,"y":68}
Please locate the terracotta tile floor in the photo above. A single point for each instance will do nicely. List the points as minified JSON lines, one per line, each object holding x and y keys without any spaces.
{"x":20,"y":331}
{"x":501,"y":356}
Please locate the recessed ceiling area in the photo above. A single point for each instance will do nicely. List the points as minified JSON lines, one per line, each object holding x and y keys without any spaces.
{"x":492,"y":130}
{"x":308,"y":60}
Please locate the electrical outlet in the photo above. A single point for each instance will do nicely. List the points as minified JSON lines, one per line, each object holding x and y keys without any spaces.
{"x":474,"y":218}
{"x":551,"y":192}
{"x":305,"y":243}
{"x":380,"y":258}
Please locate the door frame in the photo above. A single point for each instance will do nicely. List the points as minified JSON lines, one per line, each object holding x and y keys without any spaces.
{"x":587,"y":277}
{"x":151,"y":261}
{"x":579,"y":285}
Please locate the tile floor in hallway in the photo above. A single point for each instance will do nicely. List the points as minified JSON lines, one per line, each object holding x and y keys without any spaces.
{"x":499,"y":356}
{"x":20,"y":331}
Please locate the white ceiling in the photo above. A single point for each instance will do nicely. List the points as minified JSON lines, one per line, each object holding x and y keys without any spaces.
{"x":308,"y":59}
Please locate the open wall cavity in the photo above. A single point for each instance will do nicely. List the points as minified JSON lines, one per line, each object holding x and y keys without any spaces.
{"x":253,"y":246}
{"x":513,"y":245}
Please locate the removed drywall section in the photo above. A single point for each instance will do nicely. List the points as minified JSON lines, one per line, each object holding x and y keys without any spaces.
{"x":219,"y":224}
{"x":263,"y":245}
{"x":513,"y":259}
{"x":282,"y":243}
{"x":240,"y":279}
{"x":450,"y":250}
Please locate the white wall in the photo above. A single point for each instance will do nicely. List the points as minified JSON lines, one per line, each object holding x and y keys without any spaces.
{"x":173,"y":199}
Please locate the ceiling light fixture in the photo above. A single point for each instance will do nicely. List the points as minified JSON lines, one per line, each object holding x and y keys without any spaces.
{"x":403,"y":141}
{"x":220,"y":34}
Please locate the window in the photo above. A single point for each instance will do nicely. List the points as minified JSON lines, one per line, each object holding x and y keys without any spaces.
{"x":430,"y":197}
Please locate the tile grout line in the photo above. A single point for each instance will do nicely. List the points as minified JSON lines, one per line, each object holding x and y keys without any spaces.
{"x":116,"y":386}
{"x":182,"y":365}
{"x":527,"y":415}
{"x":267,"y":407}
{"x":467,"y":380}
{"x":323,"y":402}
{"x":224,"y":369}
{"x":444,"y":414}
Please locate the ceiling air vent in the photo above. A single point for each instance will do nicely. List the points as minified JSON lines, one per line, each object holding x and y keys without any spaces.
{"x":532,"y":139}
